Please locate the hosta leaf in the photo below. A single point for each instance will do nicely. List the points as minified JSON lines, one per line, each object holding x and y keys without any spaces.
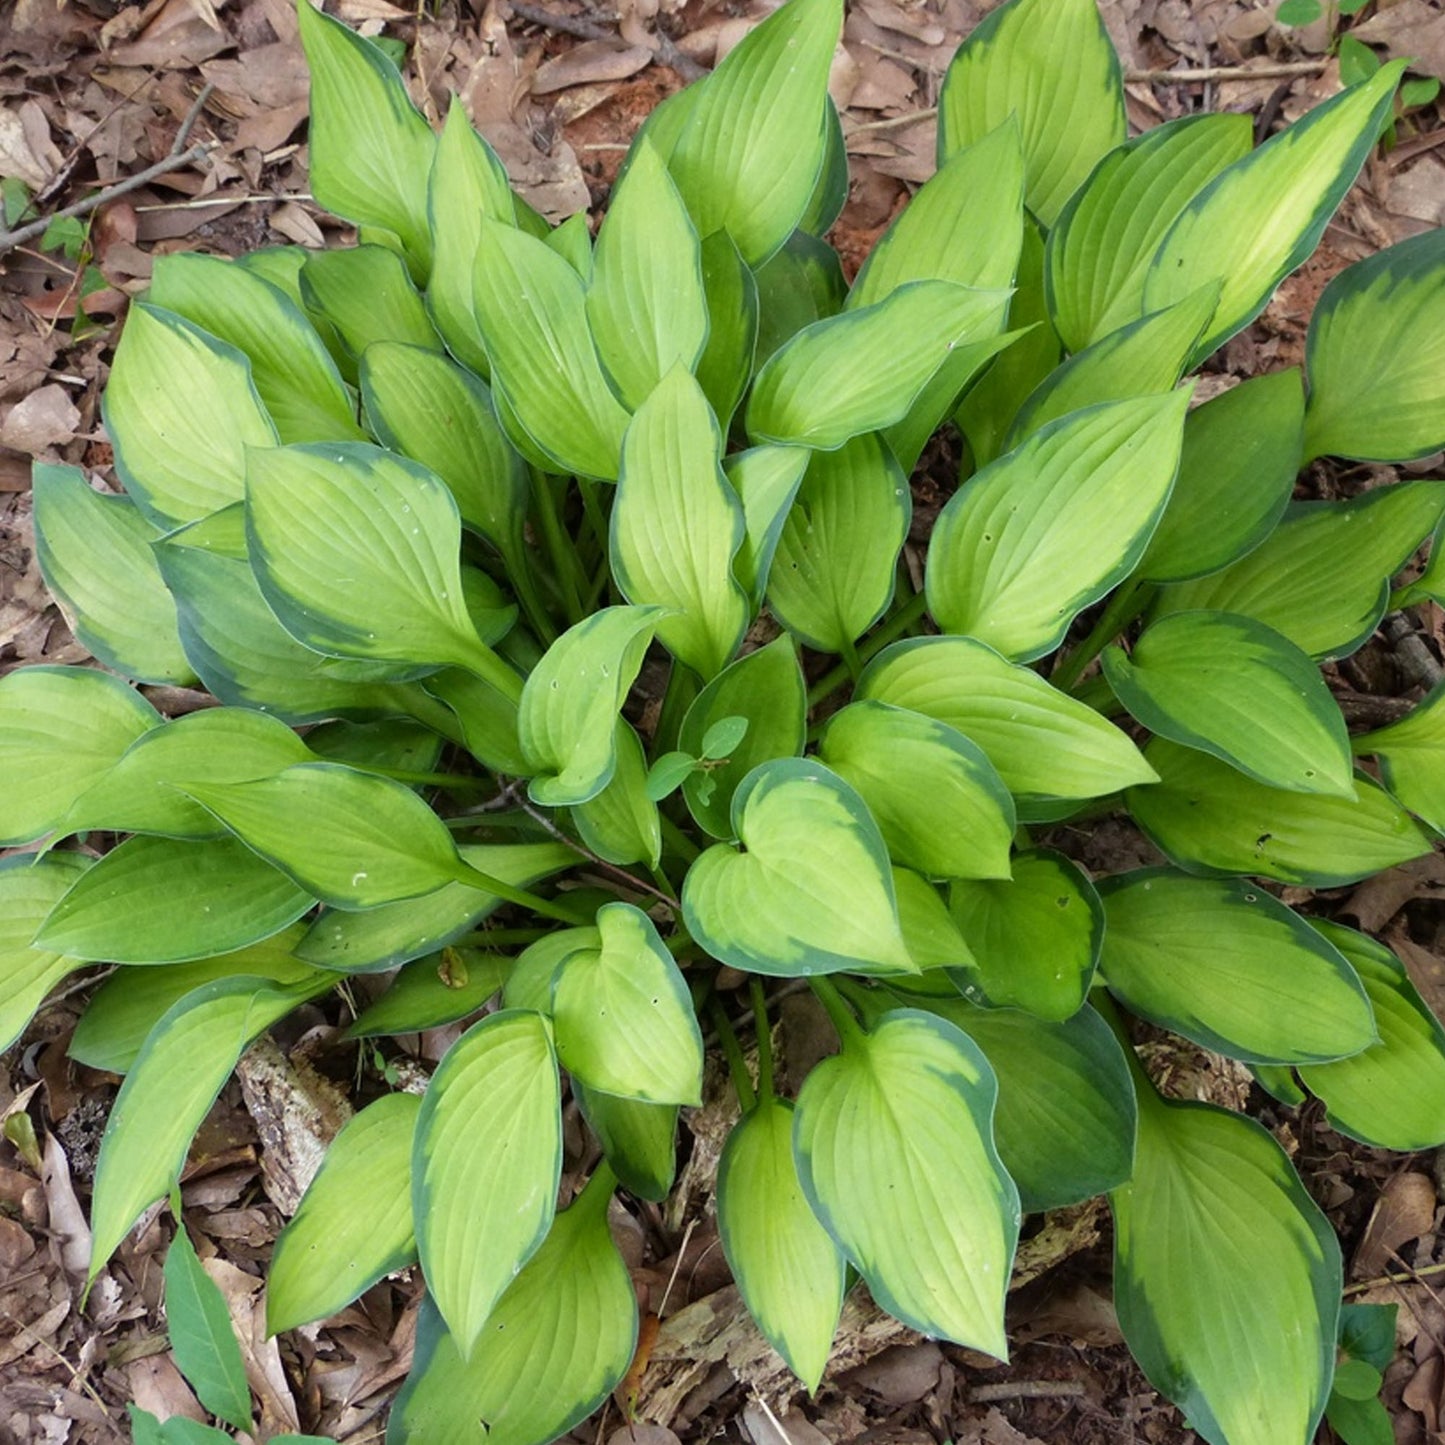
{"x":1033,"y":539}
{"x":529,"y":986}
{"x":29,"y":888}
{"x":486,"y":1161}
{"x":862,"y":371}
{"x":62,"y":729}
{"x":176,"y":1077}
{"x":559,"y":1340}
{"x":293,"y":372}
{"x":1035,"y":938}
{"x":1227,"y":965}
{"x":572,"y":241}
{"x":833,"y":571}
{"x":1321,"y":578}
{"x":486,"y":717}
{"x":1412,"y":758}
{"x":894,"y":1145}
{"x":1376,"y":355}
{"x":766,"y":687}
{"x":353,"y":1224}
{"x":202,"y":1340}
{"x":1041,"y":741}
{"x":1235,"y":688}
{"x":181,"y":450}
{"x":813,"y":893}
{"x":830,"y":193}
{"x":365,"y":293}
{"x":1237,"y":467}
{"x":934,"y":942}
{"x":766,"y":480}
{"x":370,"y":148}
{"x":532,"y":310}
{"x":1227,"y":1276}
{"x":726,"y":362}
{"x":621,"y":823}
{"x":638,"y":1139}
{"x":938,"y":802}
{"x":571,"y":701}
{"x":797,"y":286}
{"x":1391,"y":1095}
{"x":388,"y":743}
{"x":433,"y":991}
{"x":790,"y":1272}
{"x":95,"y":554}
{"x":677,"y":524}
{"x":1210,"y":818}
{"x":624,"y":1018}
{"x":1098,"y":254}
{"x":756,"y":132}
{"x":1261,"y":217}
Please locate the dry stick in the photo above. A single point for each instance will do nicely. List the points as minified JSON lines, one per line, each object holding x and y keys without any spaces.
{"x":667,"y":53}
{"x":174,"y":161}
{"x":1413,"y":1277}
{"x":1026,"y":1390}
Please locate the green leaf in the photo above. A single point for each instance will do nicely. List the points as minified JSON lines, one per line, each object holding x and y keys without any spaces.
{"x":1322,"y":577}
{"x":487,"y":720}
{"x":389,"y":743}
{"x":1367,"y":1333}
{"x":1225,"y":964}
{"x":367,"y":295}
{"x":532,"y":310}
{"x":833,"y":574}
{"x":1376,"y":355}
{"x":62,"y":729}
{"x":176,"y":1077}
{"x":894,"y":1145}
{"x":560,"y":1339}
{"x":789,"y":1271}
{"x":1392,"y":1094}
{"x":797,"y":286}
{"x":1237,"y":467}
{"x":1050,"y":63}
{"x":677,"y":524}
{"x":1298,"y":12}
{"x":638,"y":1139}
{"x":1041,"y":741}
{"x":486,"y":1162}
{"x":934,"y":942}
{"x":621,"y":823}
{"x":668,"y":774}
{"x":722,"y":738}
{"x":205,"y":1347}
{"x":766,"y":687}
{"x":95,"y":554}
{"x":1412,"y":764}
{"x":766,"y":480}
{"x":1215,"y":1216}
{"x":1211,"y":819}
{"x":1359,"y":1422}
{"x":370,"y":148}
{"x":529,"y":985}
{"x":1260,"y":217}
{"x":571,"y":701}
{"x":812,"y":894}
{"x":432,"y":991}
{"x":726,"y":363}
{"x":862,"y":371}
{"x":624,"y":1018}
{"x":756,"y":136}
{"x":30,"y":887}
{"x":939,"y":804}
{"x":1033,"y":539}
{"x":180,"y":450}
{"x":1236,"y":689}
{"x":1098,"y":253}
{"x":1035,"y":938}
{"x":353,"y":1225}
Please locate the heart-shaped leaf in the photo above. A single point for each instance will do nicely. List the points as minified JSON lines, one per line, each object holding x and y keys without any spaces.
{"x":1411,"y":753}
{"x":639,"y":1140}
{"x":29,"y":888}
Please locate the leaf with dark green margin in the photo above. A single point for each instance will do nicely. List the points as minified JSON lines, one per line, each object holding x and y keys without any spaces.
{"x":1226,"y":964}
{"x":1041,"y":741}
{"x":1037,"y":536}
{"x":677,"y":525}
{"x":367,"y":295}
{"x":1236,"y":689}
{"x":1375,"y":356}
{"x":487,"y":720}
{"x":203,"y":1343}
{"x":933,"y":940}
{"x":790,"y":1273}
{"x":1237,"y":467}
{"x":180,"y":451}
{"x":62,"y":729}
{"x":560,"y":1339}
{"x":1411,"y":754}
{"x":726,"y":362}
{"x":370,"y":149}
{"x":833,"y":573}
{"x":1262,"y":216}
{"x":571,"y":701}
{"x":622,"y":823}
{"x":530,"y":984}
{"x":353,"y":1225}
{"x":1051,"y":63}
{"x":1211,"y":819}
{"x":638,"y":1139}
{"x":766,"y":480}
{"x":1391,"y":1095}
{"x":1099,"y":250}
{"x":894,"y":1145}
{"x":95,"y":555}
{"x":29,"y":888}
{"x":1035,"y":938}
{"x":830,"y":194}
{"x":432,"y":991}
{"x":486,"y":1161}
{"x":389,"y":743}
{"x":938,"y":802}
{"x":1322,"y":577}
{"x":624,"y":1018}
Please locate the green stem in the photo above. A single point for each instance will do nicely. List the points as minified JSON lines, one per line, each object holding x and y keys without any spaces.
{"x":500,"y":937}
{"x":538,"y":618}
{"x":559,"y":545}
{"x":850,"y":1031}
{"x":765,"y":1037}
{"x":596,"y":517}
{"x":678,"y":841}
{"x":484,"y":882}
{"x":682,"y":689}
{"x":455,"y":782}
{"x":890,"y":631}
{"x":1120,"y":610}
{"x":737,"y":1065}
{"x":482,"y":662}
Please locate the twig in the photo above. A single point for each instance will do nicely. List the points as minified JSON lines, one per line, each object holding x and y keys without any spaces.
{"x":621,"y":874}
{"x":1411,"y":1277}
{"x":1228,"y":72}
{"x":893,"y":122}
{"x":177,"y":157}
{"x":667,"y":53}
{"x":1026,"y":1390}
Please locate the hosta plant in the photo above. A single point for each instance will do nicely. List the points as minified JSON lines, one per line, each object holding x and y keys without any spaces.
{"x":417,"y":513}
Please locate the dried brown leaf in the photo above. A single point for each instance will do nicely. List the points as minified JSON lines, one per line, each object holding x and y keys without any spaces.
{"x":1404,"y":1211}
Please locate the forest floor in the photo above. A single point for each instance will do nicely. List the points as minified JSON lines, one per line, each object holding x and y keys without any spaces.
{"x":94,"y":92}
